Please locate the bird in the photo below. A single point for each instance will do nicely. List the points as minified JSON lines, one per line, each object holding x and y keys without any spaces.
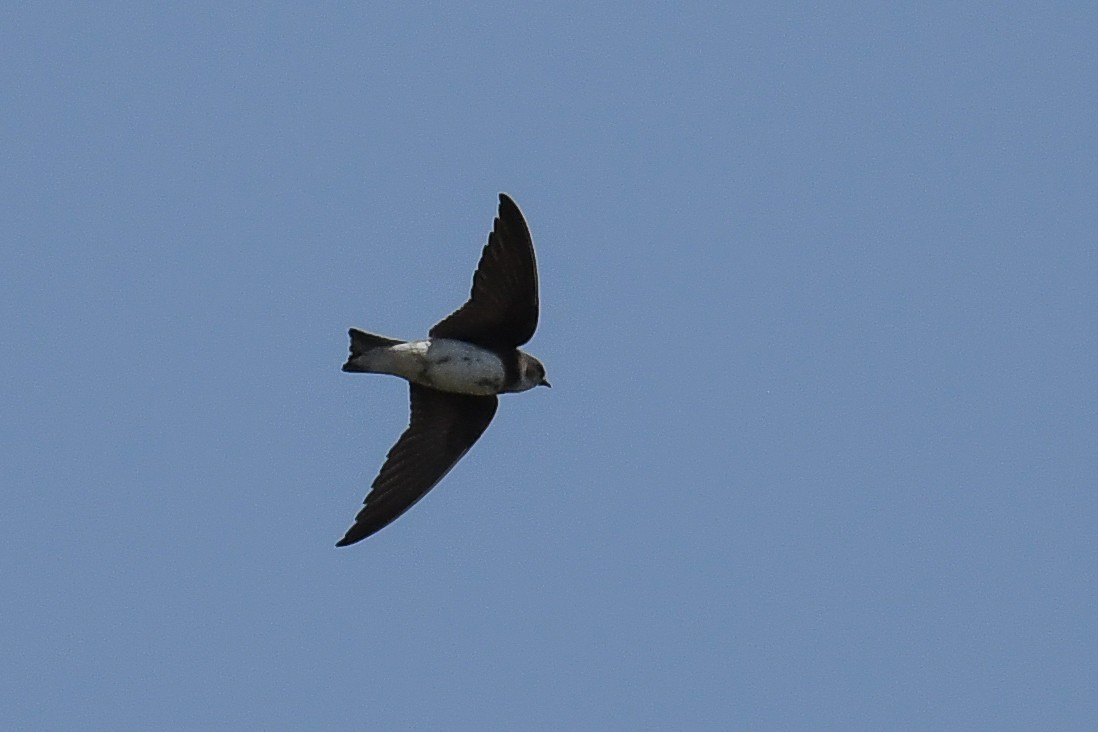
{"x":455,"y":374}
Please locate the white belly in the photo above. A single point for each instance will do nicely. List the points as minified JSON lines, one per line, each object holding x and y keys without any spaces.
{"x":448,"y":365}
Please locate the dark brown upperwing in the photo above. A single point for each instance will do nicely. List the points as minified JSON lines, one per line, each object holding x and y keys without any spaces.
{"x":442,"y":428}
{"x":502,"y":310}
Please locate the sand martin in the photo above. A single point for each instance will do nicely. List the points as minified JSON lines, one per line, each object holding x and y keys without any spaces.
{"x":455,"y":374}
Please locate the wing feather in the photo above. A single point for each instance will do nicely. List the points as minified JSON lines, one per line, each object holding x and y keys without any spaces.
{"x":502,"y":310}
{"x":442,"y":428}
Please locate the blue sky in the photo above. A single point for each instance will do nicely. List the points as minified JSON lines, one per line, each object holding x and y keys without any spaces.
{"x":819,"y":306}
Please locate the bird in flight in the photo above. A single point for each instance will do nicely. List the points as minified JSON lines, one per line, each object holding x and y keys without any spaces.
{"x":455,"y":374}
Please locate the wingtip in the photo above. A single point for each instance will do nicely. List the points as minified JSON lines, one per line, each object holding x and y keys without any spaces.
{"x":357,"y":533}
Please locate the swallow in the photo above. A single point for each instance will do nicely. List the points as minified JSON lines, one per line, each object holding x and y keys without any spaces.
{"x":456,"y":374}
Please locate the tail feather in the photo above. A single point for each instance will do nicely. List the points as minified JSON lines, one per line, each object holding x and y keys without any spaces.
{"x":361,"y":344}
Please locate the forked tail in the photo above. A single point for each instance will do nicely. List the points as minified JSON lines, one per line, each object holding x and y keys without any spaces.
{"x":361,"y":344}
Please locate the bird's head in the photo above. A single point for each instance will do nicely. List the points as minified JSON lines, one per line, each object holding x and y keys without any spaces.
{"x":531,"y":373}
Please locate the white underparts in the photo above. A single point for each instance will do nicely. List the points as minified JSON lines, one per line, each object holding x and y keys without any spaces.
{"x":440,"y":363}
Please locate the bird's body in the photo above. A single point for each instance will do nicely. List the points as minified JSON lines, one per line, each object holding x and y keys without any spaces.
{"x":447,"y":365}
{"x":456,"y":373}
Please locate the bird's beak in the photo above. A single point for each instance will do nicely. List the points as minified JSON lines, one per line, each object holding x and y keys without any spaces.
{"x":545,"y":382}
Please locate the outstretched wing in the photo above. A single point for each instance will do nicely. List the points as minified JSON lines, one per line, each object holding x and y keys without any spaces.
{"x":442,"y":428}
{"x":502,"y":310}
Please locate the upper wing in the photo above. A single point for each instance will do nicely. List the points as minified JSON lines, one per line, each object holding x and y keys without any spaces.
{"x":442,"y":428}
{"x":502,"y":310}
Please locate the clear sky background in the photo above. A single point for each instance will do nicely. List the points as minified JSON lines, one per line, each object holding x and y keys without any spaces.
{"x":819,"y":306}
